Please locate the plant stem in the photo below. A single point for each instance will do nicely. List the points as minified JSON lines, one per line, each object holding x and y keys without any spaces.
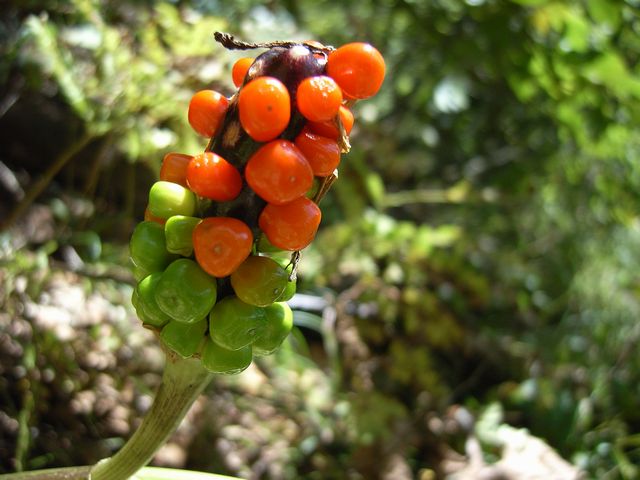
{"x":82,"y":473}
{"x":231,"y":43}
{"x":70,"y":473}
{"x":183,"y":380}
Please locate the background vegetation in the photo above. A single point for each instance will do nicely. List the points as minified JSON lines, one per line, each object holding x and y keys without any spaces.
{"x":477,"y":259}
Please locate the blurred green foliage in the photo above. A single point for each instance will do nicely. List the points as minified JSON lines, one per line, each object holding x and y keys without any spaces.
{"x":480,"y":246}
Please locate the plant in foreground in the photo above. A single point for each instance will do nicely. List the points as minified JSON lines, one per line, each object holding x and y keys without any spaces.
{"x":208,"y":257}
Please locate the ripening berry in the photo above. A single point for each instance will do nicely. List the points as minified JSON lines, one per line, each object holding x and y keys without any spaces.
{"x":174,"y":168}
{"x":206,"y":112}
{"x":259,"y":281}
{"x":211,"y":176}
{"x":329,"y":128}
{"x":221,"y":244}
{"x":322,"y":153}
{"x":278,"y":172}
{"x":265,"y":108}
{"x":150,"y":217}
{"x":240,"y":69}
{"x":358,"y":68}
{"x":291,"y":226}
{"x":318,"y":98}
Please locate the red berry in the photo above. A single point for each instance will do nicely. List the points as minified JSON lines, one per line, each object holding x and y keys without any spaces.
{"x":265,"y":108}
{"x":211,"y":176}
{"x":319,"y":98}
{"x":329,"y":128}
{"x":278,"y":172}
{"x":206,"y":112}
{"x":322,"y":153}
{"x":221,"y":244}
{"x":240,"y":69}
{"x":358,"y":68}
{"x":174,"y":168}
{"x":291,"y":226}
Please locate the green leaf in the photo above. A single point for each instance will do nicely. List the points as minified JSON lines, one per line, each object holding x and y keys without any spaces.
{"x":611,"y":71}
{"x":58,"y":64}
{"x":156,"y":473}
{"x":530,"y":3}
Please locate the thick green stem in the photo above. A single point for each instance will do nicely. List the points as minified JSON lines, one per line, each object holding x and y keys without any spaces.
{"x":182,"y":382}
{"x":70,"y":473}
{"x":82,"y":473}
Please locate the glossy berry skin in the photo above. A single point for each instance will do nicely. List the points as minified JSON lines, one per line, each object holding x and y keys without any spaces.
{"x":358,"y":68}
{"x":167,"y":199}
{"x":278,"y":172}
{"x":265,"y":246}
{"x":185,"y":292}
{"x":290,"y":289}
{"x":148,"y":248}
{"x":234,"y":324}
{"x":289,"y":292}
{"x":150,"y":217}
{"x":322,"y":153}
{"x":211,"y":176}
{"x":223,"y":361}
{"x":329,"y":128}
{"x":318,"y":98}
{"x":265,"y":108}
{"x":151,"y":314}
{"x":178,"y":231}
{"x":291,"y":226}
{"x":184,"y":338}
{"x":259,"y":281}
{"x":221,"y":244}
{"x":206,"y":112}
{"x":135,"y":301}
{"x":240,"y":69}
{"x":279,"y":324}
{"x":174,"y":168}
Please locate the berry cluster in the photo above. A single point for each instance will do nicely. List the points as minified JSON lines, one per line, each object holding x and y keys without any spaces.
{"x":213,"y":280}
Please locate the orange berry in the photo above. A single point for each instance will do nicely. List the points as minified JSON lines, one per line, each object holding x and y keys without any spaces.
{"x":329,"y":129}
{"x":322,"y":153}
{"x":221,"y":244}
{"x":358,"y":68}
{"x":206,"y":112}
{"x":318,"y":98}
{"x":278,"y":172}
{"x":174,"y":168}
{"x":211,"y":176}
{"x":291,"y":226}
{"x":265,"y":108}
{"x":240,"y":69}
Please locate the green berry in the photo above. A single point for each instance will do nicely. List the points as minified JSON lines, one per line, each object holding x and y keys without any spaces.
{"x":146,"y":290}
{"x":184,"y":338}
{"x":259,"y":281}
{"x":167,"y":199}
{"x":289,"y":292}
{"x":234,"y":324}
{"x":178,"y":231}
{"x":265,"y":246}
{"x":186,"y":292}
{"x":279,"y":324}
{"x":148,"y":249}
{"x":217,"y":359}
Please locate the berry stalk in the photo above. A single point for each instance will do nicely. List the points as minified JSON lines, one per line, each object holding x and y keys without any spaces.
{"x":182,"y":382}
